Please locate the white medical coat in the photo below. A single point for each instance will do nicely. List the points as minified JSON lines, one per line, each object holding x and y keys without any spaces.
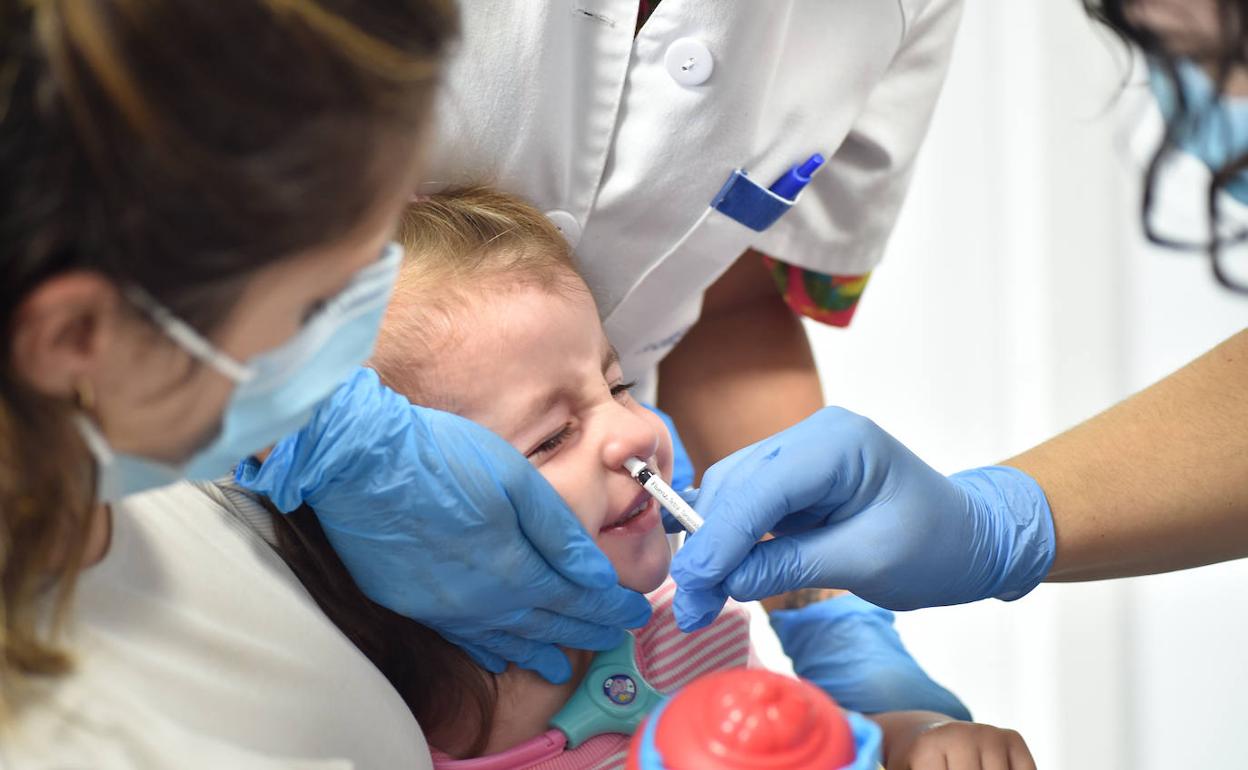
{"x":624,"y":141}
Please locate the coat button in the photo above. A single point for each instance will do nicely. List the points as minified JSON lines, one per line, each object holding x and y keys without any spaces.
{"x":689,"y":61}
{"x":567,"y":224}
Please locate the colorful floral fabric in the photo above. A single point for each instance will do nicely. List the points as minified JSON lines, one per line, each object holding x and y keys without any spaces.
{"x":829,"y":299}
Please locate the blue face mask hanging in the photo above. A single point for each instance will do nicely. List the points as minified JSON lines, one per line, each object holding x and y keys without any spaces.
{"x":1213,"y":130}
{"x":276,"y":392}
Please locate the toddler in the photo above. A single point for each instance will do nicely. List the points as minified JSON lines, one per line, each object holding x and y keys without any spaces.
{"x":491,"y":320}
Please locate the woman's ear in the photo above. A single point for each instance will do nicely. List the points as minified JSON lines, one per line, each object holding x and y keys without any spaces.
{"x":64,"y":330}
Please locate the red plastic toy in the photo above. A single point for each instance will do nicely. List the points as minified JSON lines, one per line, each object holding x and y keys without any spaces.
{"x":744,"y":718}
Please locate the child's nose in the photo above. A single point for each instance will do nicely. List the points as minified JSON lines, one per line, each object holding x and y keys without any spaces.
{"x":629,"y":435}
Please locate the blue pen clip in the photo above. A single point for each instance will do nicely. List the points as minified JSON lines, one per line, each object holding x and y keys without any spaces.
{"x":758,"y":207}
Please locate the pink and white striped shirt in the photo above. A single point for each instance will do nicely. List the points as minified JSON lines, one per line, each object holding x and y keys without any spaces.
{"x":668,"y":659}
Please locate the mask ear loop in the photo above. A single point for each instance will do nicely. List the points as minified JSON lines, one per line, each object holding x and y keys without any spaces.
{"x":187,"y":338}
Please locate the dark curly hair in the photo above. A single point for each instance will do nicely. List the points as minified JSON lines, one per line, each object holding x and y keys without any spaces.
{"x":1220,"y":53}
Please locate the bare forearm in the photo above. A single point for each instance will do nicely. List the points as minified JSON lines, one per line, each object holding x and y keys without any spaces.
{"x":1158,"y":482}
{"x":743,"y":372}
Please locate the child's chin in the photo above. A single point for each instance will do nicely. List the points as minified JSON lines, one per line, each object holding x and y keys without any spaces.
{"x":644,"y":580}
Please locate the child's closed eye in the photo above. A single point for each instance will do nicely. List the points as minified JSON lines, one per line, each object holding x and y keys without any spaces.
{"x":551,"y":443}
{"x":622,"y":389}
{"x":554,"y":441}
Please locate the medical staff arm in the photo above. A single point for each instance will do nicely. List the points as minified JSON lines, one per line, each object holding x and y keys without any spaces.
{"x":440,"y":520}
{"x":1158,"y":482}
{"x":1154,"y":484}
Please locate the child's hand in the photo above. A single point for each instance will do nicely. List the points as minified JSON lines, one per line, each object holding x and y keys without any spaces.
{"x":917,"y":741}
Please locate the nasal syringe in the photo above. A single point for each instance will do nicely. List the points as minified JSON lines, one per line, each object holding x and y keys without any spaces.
{"x":667,"y":497}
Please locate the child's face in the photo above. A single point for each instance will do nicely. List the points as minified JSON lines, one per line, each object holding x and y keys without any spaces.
{"x":535,"y":367}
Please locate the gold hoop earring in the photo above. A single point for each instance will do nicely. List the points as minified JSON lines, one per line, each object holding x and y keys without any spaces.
{"x":84,"y":396}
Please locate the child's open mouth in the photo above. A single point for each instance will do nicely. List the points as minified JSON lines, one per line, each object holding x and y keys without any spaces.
{"x":640,"y":518}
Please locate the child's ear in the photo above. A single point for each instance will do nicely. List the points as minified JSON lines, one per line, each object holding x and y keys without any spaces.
{"x":63,"y":330}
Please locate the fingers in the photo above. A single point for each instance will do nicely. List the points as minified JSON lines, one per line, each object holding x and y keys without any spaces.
{"x":1019,"y":753}
{"x":616,"y":607}
{"x":555,"y":533}
{"x":545,"y":626}
{"x":743,"y":498}
{"x":494,"y":649}
{"x":696,"y":609}
{"x":547,"y":660}
{"x":968,"y":746}
{"x":483,"y":657}
{"x":507,"y":487}
{"x":994,"y":756}
{"x":1002,"y":749}
{"x":717,"y":548}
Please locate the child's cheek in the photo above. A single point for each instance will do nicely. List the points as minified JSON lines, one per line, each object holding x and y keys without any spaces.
{"x":572,"y":485}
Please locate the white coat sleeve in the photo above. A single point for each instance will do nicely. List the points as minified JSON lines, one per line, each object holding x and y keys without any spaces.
{"x":843,"y":221}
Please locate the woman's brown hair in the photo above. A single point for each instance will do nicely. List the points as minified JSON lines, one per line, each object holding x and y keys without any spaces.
{"x":177,"y":146}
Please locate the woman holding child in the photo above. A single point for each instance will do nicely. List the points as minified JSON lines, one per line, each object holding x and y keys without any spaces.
{"x":198,"y":201}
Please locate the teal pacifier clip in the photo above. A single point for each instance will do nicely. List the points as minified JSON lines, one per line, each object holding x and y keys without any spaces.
{"x":612,"y":698}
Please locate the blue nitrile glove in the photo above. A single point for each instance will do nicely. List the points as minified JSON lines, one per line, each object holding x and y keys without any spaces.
{"x":850,"y":649}
{"x":682,"y":468}
{"x":852,"y":508}
{"x":442,"y":521}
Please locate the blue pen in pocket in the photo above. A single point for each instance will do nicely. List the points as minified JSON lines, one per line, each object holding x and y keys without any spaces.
{"x":758,"y":207}
{"x":796,"y":178}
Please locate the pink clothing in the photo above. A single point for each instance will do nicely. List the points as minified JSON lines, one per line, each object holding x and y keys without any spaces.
{"x":666,"y":657}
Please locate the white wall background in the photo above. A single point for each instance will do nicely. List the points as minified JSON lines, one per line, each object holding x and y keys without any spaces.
{"x":1018,"y":298}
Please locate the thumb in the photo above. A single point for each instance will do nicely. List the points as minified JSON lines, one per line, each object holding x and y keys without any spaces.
{"x":695,"y":609}
{"x":670,"y":525}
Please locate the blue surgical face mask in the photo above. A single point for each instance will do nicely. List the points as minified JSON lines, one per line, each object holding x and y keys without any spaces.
{"x":1213,"y":130}
{"x":277,"y":391}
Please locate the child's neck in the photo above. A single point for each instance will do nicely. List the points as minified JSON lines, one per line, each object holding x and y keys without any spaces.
{"x":526,"y":703}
